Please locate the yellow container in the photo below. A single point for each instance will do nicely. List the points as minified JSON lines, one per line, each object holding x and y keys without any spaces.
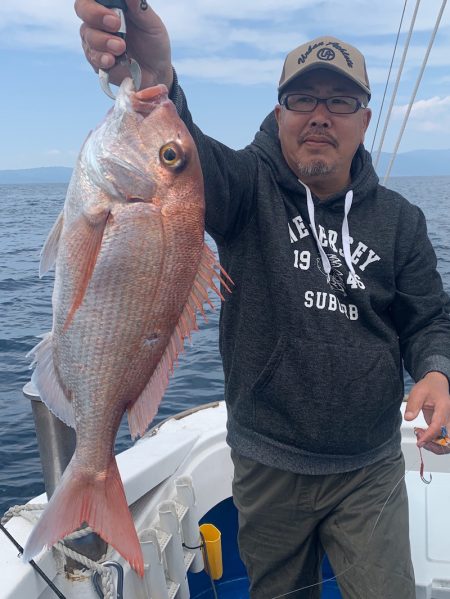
{"x":213,"y":545}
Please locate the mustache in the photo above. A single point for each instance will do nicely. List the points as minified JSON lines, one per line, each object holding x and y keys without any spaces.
{"x":319,"y":133}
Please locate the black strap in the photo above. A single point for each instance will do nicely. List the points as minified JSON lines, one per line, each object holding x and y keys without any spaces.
{"x":34,"y":564}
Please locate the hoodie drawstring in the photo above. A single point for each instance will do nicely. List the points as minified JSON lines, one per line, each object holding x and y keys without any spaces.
{"x":345,"y":231}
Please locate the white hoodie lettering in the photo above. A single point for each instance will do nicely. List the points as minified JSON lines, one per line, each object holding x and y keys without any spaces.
{"x":328,"y":301}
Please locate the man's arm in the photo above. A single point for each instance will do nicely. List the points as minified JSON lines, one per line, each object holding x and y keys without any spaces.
{"x":421,"y":312}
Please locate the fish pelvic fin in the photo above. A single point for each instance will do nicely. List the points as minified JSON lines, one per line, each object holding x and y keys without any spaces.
{"x":142,"y":412}
{"x":98,"y":501}
{"x":85,"y":240}
{"x":50,"y":249}
{"x":46,"y":381}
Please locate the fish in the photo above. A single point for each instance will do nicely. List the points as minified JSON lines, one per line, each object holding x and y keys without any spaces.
{"x":132,"y":273}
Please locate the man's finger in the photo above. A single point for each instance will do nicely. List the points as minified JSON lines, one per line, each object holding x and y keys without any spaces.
{"x":434,"y":430}
{"x":97,"y":16}
{"x":433,"y":446}
{"x":415,"y":402}
{"x":99,"y":60}
{"x":100,"y":41}
{"x":428,"y":414}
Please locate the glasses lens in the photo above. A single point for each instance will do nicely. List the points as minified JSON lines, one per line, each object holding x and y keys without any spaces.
{"x":336,"y":104}
{"x":300,"y":102}
{"x":342,"y":104}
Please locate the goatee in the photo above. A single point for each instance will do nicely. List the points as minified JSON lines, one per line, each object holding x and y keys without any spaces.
{"x":314,"y":169}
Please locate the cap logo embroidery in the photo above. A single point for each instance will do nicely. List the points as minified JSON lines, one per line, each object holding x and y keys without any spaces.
{"x":326,"y":54}
{"x":304,"y":56}
{"x":344,"y":53}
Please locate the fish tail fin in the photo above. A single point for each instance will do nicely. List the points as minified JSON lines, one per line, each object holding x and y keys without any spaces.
{"x":100,"y":502}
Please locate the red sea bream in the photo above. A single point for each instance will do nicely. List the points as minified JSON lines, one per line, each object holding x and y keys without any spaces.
{"x":132,"y":269}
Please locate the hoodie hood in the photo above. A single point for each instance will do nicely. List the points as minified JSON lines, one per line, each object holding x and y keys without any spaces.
{"x":267,"y":144}
{"x":363,"y":183}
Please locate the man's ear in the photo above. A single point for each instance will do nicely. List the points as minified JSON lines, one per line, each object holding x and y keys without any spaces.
{"x":277,"y":111}
{"x":367,"y":117}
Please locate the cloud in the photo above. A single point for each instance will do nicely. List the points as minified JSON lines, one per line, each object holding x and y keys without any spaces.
{"x":431,"y":115}
{"x":200,"y":23}
{"x":435,"y":106}
{"x":226,"y":38}
{"x":46,"y":23}
{"x":231,"y":71}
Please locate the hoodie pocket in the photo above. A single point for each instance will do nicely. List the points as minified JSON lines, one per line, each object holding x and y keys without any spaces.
{"x":328,"y":398}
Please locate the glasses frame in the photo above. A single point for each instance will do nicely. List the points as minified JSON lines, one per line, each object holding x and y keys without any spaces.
{"x":325,"y":101}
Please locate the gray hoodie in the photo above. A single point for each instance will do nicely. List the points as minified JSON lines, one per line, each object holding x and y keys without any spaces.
{"x":329,"y":299}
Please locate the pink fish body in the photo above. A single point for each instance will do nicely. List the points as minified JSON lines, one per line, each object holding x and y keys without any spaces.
{"x":132,"y":269}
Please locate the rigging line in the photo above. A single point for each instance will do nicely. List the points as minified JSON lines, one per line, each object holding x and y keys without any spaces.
{"x":336,"y":576}
{"x":33,"y":564}
{"x":397,"y":82}
{"x":419,"y":79}
{"x":389,"y":76}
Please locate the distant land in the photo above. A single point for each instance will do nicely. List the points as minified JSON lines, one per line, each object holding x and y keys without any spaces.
{"x":47,"y":174}
{"x":417,"y":163}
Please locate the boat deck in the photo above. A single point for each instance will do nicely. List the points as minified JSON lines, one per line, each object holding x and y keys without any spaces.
{"x":234,"y":582}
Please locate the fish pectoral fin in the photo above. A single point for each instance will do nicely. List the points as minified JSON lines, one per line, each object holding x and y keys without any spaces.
{"x":85,"y":240}
{"x":45,"y":379}
{"x":210,"y":268}
{"x":50,"y":249}
{"x":144,"y":409}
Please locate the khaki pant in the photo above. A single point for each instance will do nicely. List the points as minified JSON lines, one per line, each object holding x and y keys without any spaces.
{"x":287,"y":521}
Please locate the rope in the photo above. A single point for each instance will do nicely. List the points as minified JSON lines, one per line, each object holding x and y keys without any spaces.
{"x":28,"y":511}
{"x":413,"y":96}
{"x":108,"y":586}
{"x":23,"y":510}
{"x":397,"y":82}
{"x":388,"y":78}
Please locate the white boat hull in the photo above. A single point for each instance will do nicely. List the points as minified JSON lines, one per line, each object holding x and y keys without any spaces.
{"x":194,"y":446}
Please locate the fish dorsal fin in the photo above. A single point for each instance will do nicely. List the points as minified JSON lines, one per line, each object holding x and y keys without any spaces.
{"x":142,"y":412}
{"x":85,"y":239}
{"x":50,"y":249}
{"x":47,"y":383}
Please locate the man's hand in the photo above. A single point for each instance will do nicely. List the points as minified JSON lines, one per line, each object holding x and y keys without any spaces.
{"x":431,"y":395}
{"x":147,"y":41}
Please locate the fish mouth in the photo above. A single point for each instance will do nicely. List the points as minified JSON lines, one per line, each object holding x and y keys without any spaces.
{"x":141,"y":200}
{"x":137,"y":200}
{"x":146,"y":100}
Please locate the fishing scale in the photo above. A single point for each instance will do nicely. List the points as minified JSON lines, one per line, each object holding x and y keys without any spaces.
{"x":120,"y":8}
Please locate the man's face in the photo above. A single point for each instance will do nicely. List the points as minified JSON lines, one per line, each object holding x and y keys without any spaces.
{"x":319,"y":146}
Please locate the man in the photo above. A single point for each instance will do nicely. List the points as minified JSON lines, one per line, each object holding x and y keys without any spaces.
{"x":335,"y":284}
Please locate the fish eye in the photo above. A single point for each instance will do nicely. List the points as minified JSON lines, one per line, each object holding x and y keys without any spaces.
{"x":172,"y":156}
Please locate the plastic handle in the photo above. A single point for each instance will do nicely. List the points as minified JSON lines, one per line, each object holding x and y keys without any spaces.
{"x":121,"y":4}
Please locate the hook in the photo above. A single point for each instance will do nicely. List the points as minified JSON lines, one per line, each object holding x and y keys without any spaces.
{"x":422,"y":466}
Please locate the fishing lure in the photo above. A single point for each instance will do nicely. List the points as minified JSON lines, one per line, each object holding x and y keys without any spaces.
{"x":440,"y":446}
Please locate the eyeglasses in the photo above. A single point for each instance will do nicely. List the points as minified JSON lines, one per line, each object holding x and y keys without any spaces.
{"x":335,"y":104}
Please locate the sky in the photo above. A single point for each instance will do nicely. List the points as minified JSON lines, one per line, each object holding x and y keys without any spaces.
{"x":228,"y":56}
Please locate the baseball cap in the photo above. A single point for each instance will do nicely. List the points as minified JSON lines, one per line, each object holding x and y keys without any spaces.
{"x":325,"y":53}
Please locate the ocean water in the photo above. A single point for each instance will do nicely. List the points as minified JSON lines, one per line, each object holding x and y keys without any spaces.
{"x":28,"y":212}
